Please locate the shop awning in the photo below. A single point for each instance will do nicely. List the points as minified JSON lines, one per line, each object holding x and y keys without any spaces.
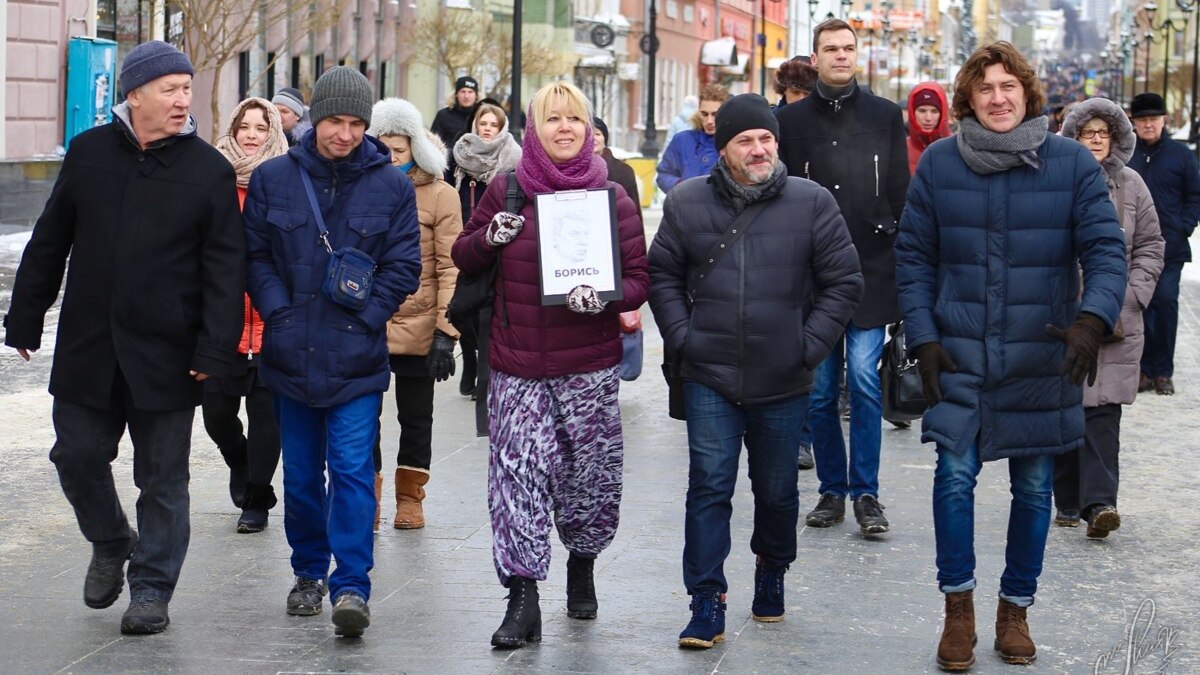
{"x":722,"y":52}
{"x":738,"y":68}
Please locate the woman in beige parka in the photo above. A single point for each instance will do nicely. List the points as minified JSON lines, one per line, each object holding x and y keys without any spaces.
{"x":1085,"y":480}
{"x":420,"y":339}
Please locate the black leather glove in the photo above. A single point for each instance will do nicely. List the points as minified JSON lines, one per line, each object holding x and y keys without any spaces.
{"x":441,"y":356}
{"x":1083,"y":340}
{"x":931,"y":361}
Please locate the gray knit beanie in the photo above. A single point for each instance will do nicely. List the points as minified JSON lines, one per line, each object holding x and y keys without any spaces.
{"x":341,"y":90}
{"x":292,"y":98}
{"x":151,"y":60}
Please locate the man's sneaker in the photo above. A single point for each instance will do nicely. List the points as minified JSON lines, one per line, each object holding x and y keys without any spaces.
{"x":869,"y":514}
{"x":768,"y":594}
{"x":147,"y":614}
{"x":306,"y":597}
{"x":106,"y":576}
{"x":831,"y":509}
{"x":1101,"y":521}
{"x":351,"y":615}
{"x":1066,"y":517}
{"x":806,"y":462}
{"x":707,"y":626}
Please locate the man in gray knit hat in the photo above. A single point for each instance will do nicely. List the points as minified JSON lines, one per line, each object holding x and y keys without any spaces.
{"x":326,"y":364}
{"x":139,"y":199}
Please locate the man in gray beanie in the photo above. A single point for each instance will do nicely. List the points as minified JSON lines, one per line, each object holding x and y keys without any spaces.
{"x":292,"y":113}
{"x":722,"y":319}
{"x":139,"y":199}
{"x":326,"y":364}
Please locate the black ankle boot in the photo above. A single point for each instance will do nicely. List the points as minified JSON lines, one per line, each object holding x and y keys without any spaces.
{"x":581,"y":588}
{"x":236,"y":460}
{"x":258,"y":501}
{"x":523,"y":620}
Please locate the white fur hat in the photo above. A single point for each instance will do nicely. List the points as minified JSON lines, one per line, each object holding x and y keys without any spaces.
{"x":397,"y":117}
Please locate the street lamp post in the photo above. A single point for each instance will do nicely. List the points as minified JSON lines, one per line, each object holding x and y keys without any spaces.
{"x":649,"y":146}
{"x":1165,"y":29}
{"x":514,"y":105}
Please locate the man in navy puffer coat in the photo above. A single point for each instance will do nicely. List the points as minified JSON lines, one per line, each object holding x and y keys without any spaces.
{"x":326,"y":364}
{"x":1173,"y":177}
{"x":997,"y":223}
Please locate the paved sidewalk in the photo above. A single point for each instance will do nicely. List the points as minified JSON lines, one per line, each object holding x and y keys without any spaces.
{"x":854,"y":606}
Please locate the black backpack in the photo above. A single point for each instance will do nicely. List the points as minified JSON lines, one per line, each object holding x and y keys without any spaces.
{"x":474,"y":293}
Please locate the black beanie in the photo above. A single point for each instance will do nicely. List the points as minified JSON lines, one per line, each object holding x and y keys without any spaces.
{"x":602,"y":128}
{"x":466,"y":82}
{"x":742,"y":113}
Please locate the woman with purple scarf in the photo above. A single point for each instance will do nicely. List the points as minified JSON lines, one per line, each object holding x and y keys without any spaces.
{"x":554,"y":425}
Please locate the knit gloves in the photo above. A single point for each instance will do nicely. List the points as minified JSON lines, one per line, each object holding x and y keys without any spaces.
{"x":584,"y":300}
{"x":504,"y":228}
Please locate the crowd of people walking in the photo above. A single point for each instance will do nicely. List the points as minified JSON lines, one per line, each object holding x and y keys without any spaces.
{"x":324,"y":253}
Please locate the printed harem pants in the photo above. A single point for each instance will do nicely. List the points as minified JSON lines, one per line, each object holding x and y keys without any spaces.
{"x":555,"y":446}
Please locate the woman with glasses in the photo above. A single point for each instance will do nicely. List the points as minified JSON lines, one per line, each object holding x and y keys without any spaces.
{"x":1085,"y":480}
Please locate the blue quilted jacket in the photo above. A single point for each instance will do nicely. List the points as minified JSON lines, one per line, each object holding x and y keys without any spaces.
{"x":983,"y":264}
{"x":315,"y":351}
{"x":691,"y":153}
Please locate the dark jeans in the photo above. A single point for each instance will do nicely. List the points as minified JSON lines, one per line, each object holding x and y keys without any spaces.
{"x":414,"y":411}
{"x":258,"y":448}
{"x":83,"y":452}
{"x":1161,"y":320}
{"x":716,"y":430}
{"x":954,"y":480}
{"x":1088,"y":476}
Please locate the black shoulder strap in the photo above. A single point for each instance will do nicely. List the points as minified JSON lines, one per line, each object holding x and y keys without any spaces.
{"x":514,"y":197}
{"x":735,"y":231}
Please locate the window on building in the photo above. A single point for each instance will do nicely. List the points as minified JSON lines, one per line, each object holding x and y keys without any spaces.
{"x":270,"y":75}
{"x":318,"y":66}
{"x":383,"y":72}
{"x":295,"y":73}
{"x":106,"y":19}
{"x":243,"y":75}
{"x":363,"y":67}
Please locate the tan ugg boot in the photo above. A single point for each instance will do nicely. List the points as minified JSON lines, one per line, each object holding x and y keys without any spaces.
{"x":410,"y":492}
{"x":378,"y":497}
{"x":1012,"y":635}
{"x":956,"y":651}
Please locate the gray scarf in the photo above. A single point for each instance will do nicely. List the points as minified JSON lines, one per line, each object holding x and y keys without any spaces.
{"x":740,"y":196}
{"x":987,"y":152}
{"x":483,"y":160}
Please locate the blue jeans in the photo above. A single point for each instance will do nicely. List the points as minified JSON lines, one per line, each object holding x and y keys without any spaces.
{"x":1031,"y":479}
{"x":863,"y":347}
{"x":337,"y":522}
{"x":716,"y":429}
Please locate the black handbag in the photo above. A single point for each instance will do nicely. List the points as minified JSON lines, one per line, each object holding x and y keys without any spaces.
{"x":474,"y":293}
{"x":350,"y":273}
{"x":672,"y":366}
{"x":900,"y":380}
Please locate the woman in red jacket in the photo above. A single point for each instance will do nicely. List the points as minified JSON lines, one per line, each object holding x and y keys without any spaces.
{"x":554,"y":425}
{"x":254,"y":135}
{"x":927,"y":120}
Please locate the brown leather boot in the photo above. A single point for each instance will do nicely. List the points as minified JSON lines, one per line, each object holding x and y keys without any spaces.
{"x":378,"y":497}
{"x":956,"y":651}
{"x":410,"y":492}
{"x":1012,"y":635}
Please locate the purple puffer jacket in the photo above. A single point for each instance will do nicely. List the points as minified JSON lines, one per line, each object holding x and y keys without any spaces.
{"x":532,"y":341}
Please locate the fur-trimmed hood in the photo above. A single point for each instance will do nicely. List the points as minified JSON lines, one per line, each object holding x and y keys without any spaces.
{"x":417,"y":174}
{"x":397,"y":117}
{"x":1123,"y":139}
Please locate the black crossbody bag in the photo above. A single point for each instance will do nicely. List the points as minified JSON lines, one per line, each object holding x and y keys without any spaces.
{"x":672,"y":366}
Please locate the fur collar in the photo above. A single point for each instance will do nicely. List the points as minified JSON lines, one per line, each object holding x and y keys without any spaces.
{"x":1123,"y":140}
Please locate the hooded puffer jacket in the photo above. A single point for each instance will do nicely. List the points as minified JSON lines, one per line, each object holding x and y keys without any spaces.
{"x":410,"y":332}
{"x":918,"y":140}
{"x":1119,"y":366}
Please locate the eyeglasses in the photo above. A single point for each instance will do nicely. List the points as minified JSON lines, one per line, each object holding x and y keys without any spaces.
{"x":1089,"y":134}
